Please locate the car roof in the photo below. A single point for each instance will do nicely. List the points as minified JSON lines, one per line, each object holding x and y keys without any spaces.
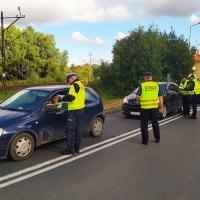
{"x":164,"y":82}
{"x":52,"y":87}
{"x":48,"y":87}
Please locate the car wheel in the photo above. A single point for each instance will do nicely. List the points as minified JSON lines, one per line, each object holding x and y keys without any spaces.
{"x":96,"y":127}
{"x":21,"y":147}
{"x":163,"y":115}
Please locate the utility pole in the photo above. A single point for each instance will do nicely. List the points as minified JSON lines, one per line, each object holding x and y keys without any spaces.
{"x":90,"y":55}
{"x":191,"y":30}
{"x":16,"y":18}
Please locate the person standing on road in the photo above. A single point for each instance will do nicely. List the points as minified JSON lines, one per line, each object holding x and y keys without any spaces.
{"x":193,"y":87}
{"x":76,"y":105}
{"x":185,"y":97}
{"x":150,"y":97}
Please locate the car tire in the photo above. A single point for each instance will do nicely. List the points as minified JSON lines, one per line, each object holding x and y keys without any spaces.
{"x":21,"y":147}
{"x":163,"y":115}
{"x":96,"y":127}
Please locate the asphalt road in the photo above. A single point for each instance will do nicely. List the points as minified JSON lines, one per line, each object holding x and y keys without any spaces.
{"x":114,"y":166}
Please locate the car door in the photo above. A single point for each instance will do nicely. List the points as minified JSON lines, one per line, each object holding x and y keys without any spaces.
{"x":53,"y":123}
{"x":172,"y":97}
{"x":92,"y":108}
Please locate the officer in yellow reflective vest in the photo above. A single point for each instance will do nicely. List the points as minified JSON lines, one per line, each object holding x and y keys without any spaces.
{"x":76,"y":105}
{"x":185,"y":97}
{"x":193,"y":87}
{"x":150,"y":97}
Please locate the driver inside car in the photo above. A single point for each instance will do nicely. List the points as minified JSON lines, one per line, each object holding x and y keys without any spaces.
{"x":55,"y":100}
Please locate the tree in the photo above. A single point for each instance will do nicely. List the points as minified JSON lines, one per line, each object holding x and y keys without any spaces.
{"x":29,"y":52}
{"x":177,"y":57}
{"x":150,"y":50}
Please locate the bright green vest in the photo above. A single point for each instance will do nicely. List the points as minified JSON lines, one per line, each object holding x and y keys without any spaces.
{"x":197,"y":86}
{"x":149,"y":96}
{"x":183,"y":86}
{"x":79,"y":101}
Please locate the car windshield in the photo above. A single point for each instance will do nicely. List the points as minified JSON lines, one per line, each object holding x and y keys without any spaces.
{"x":25,"y":100}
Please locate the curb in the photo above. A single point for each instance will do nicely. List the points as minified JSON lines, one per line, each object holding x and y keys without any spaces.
{"x":112,"y":110}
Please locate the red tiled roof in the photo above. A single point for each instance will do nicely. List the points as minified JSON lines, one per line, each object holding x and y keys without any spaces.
{"x":197,"y":57}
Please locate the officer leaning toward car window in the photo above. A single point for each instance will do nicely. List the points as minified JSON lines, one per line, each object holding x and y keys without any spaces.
{"x":193,"y":87}
{"x":150,"y":97}
{"x":185,"y":97}
{"x":76,"y":105}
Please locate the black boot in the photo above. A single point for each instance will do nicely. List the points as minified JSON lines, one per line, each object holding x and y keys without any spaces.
{"x":193,"y":117}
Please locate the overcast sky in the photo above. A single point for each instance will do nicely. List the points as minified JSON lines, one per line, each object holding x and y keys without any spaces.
{"x":89,"y":28}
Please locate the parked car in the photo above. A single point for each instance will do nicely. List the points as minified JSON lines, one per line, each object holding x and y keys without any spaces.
{"x":26,"y":120}
{"x":172,"y":101}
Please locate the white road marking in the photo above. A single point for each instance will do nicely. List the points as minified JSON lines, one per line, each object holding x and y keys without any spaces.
{"x":52,"y":161}
{"x":71,"y":159}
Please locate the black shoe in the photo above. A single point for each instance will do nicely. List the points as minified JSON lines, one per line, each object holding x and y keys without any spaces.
{"x":192,"y":117}
{"x":67,"y":152}
{"x":157,"y":140}
{"x":77,"y":150}
{"x":145,"y":143}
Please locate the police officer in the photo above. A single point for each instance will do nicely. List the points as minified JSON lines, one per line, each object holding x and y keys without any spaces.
{"x":185,"y":97}
{"x":150,"y":97}
{"x":76,"y":105}
{"x":193,"y":87}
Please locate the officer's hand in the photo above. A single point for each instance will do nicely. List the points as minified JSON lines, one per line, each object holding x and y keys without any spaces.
{"x":160,"y":110}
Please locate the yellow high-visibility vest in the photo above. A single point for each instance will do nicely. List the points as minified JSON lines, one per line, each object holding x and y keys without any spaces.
{"x":183,"y":86}
{"x":79,"y":101}
{"x":149,"y":96}
{"x":197,"y":86}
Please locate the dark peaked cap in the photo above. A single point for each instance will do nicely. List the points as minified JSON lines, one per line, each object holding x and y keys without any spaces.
{"x":148,"y":74}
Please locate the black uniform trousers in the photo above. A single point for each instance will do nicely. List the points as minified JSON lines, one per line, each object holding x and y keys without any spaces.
{"x":186,"y":104}
{"x":193,"y":103}
{"x":74,"y":129}
{"x":146,"y":115}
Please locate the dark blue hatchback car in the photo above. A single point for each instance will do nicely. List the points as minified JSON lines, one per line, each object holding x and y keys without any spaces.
{"x":27,"y":121}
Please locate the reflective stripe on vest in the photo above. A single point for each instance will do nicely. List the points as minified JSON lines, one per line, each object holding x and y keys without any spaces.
{"x":149,"y":96}
{"x":183,"y":86}
{"x":79,"y":101}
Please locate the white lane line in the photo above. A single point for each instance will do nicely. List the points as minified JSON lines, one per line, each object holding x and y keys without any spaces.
{"x":76,"y":157}
{"x":45,"y":163}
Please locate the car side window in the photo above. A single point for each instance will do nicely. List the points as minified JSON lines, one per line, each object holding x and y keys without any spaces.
{"x":171,"y":87}
{"x":89,"y":98}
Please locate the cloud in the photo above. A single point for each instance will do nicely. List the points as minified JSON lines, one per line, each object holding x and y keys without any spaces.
{"x":78,"y":37}
{"x":195,"y":19}
{"x":62,"y":11}
{"x":170,"y":7}
{"x":98,"y":41}
{"x":120,"y":36}
{"x":49,"y":11}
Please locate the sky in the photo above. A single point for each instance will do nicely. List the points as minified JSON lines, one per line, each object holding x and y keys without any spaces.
{"x":88,"y":29}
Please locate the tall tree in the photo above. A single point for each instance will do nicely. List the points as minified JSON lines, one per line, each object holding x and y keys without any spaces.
{"x":29,"y":52}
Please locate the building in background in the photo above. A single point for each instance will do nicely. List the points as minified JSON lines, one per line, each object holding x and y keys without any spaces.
{"x":196,"y":67}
